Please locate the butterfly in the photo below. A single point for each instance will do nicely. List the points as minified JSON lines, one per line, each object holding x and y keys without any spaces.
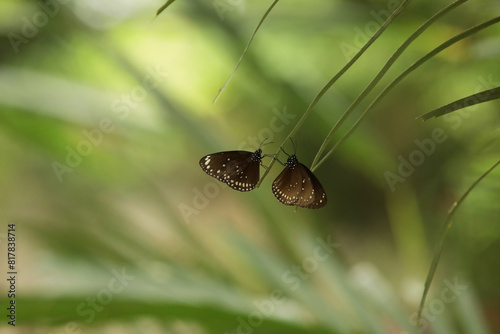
{"x":296,"y":185}
{"x":237,"y":169}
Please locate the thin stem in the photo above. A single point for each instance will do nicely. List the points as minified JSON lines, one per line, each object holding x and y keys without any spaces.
{"x":440,"y":244}
{"x":382,"y":72}
{"x":335,"y":78}
{"x":410,"y":69}
{"x":223,"y":88}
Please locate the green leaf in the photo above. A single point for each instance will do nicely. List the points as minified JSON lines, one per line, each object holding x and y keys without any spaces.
{"x":223,"y":88}
{"x":162,"y":8}
{"x":380,"y":75}
{"x":484,"y":96}
{"x":439,"y":246}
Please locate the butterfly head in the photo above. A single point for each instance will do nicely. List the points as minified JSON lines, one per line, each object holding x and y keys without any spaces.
{"x":292,"y":161}
{"x":257,"y":156}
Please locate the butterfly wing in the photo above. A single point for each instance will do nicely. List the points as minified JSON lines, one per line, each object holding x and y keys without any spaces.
{"x":288,"y":186}
{"x":242,"y":173}
{"x":313,"y":196}
{"x":299,"y":187}
{"x":237,"y":169}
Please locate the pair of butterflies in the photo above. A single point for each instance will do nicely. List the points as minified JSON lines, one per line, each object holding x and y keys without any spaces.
{"x":296,"y":185}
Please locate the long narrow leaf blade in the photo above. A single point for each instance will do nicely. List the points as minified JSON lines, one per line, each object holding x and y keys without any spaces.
{"x":439,"y":246}
{"x":484,"y":96}
{"x":223,"y":88}
{"x":162,"y":8}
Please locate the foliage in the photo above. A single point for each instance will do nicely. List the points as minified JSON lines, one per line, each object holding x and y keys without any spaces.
{"x":105,"y":116}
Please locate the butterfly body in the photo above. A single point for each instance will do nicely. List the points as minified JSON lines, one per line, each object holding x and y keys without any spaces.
{"x":296,"y":185}
{"x":238,"y":169}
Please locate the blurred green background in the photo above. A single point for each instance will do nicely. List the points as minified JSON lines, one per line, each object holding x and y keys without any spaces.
{"x":104,"y":115}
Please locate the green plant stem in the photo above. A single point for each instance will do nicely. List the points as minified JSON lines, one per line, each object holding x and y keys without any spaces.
{"x":444,"y":234}
{"x":382,"y":72}
{"x":410,"y":69}
{"x":223,"y":88}
{"x":334,"y":79}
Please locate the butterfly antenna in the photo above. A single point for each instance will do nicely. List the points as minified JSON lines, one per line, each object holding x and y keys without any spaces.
{"x":284,"y":151}
{"x":279,"y":159}
{"x":294,"y":146}
{"x":264,"y":143}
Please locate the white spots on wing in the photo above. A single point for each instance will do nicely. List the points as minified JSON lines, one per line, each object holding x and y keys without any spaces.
{"x":230,"y":172}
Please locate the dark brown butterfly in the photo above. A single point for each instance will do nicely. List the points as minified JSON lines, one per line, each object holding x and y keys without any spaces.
{"x":296,"y":185}
{"x":237,"y":169}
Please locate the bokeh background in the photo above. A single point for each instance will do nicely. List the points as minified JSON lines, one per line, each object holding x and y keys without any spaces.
{"x":124,"y":233}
